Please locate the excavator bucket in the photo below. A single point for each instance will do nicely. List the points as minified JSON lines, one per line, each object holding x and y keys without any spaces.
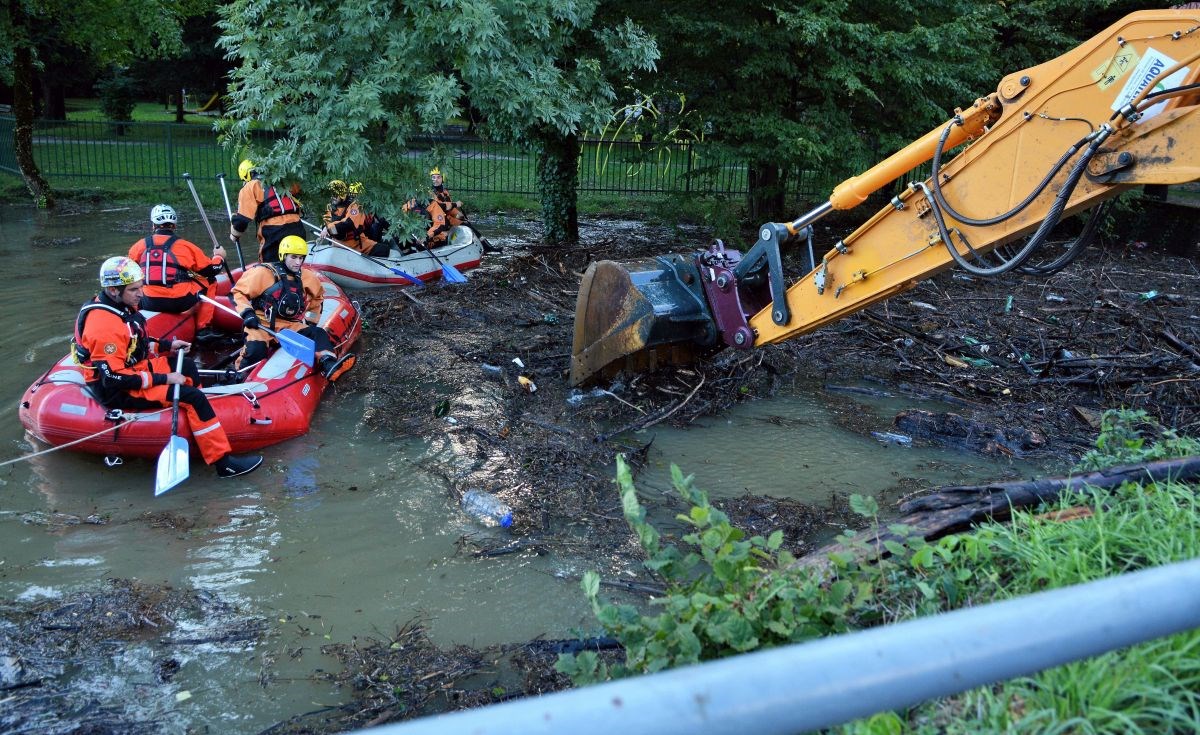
{"x":639,"y":315}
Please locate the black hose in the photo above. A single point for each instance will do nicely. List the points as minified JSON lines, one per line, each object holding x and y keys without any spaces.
{"x":1086,"y":237}
{"x":1043,"y":231}
{"x":1020,"y":207}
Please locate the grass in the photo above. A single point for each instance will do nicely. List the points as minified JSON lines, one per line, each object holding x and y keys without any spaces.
{"x":1149,"y":688}
{"x":89,"y":110}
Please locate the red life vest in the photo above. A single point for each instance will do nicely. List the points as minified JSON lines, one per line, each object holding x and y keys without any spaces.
{"x":285,"y":298}
{"x":276,"y":203}
{"x":160,"y":264}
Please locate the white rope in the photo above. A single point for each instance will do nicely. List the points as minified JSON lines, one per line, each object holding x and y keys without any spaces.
{"x":126,"y":420}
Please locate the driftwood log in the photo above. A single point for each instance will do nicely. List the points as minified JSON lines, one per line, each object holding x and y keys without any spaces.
{"x":947,"y":510}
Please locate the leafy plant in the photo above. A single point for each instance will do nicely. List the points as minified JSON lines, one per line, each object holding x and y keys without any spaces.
{"x":728,"y":594}
{"x":1123,"y":440}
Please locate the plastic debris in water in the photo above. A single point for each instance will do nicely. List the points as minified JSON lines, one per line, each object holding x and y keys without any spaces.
{"x":888,"y":437}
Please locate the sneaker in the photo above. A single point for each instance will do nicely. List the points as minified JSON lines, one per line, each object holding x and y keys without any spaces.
{"x":333,"y":368}
{"x":231,"y":466}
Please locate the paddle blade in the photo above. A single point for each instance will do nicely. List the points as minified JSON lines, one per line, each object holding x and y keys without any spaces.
{"x":416,"y":281}
{"x":173,"y":465}
{"x":297,"y":345}
{"x":451,"y":274}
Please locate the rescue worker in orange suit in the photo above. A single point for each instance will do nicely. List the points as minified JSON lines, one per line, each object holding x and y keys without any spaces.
{"x":452,"y":211}
{"x":441,"y":196}
{"x":174,"y":268}
{"x":282,"y":295}
{"x":420,"y":208}
{"x":129,"y":374}
{"x":349,"y":224}
{"x":276,"y":211}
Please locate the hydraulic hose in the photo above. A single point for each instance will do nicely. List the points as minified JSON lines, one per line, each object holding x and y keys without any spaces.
{"x":1043,"y":231}
{"x":1020,"y":207}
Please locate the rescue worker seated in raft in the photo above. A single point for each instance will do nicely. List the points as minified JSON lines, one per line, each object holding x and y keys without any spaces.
{"x":129,"y":374}
{"x":451,"y":211}
{"x":349,"y":224}
{"x":282,"y":295}
{"x":276,"y":211}
{"x":173,"y":268}
{"x":441,"y":195}
{"x":419,"y":207}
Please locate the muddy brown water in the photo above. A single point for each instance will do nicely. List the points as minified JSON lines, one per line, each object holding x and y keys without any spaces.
{"x":345,"y":532}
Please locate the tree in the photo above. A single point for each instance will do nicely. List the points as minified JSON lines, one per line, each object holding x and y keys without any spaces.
{"x":837,"y":85}
{"x":834,"y":84}
{"x":109,"y":31}
{"x":200,"y":66}
{"x":350,"y":83}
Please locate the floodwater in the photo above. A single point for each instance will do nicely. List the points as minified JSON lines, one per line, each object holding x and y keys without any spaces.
{"x":343,"y":532}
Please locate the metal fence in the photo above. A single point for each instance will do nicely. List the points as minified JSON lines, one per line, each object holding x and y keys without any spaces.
{"x":138,"y":151}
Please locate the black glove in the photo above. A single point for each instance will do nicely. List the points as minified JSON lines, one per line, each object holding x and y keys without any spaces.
{"x":250,"y":319}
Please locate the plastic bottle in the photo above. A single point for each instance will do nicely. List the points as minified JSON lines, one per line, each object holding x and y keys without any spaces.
{"x":576,"y":397}
{"x":486,"y":508}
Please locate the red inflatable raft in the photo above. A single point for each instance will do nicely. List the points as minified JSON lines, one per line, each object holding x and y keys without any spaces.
{"x":269,"y":402}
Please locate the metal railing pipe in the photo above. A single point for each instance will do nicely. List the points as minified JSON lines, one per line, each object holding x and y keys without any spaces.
{"x":806,"y":686}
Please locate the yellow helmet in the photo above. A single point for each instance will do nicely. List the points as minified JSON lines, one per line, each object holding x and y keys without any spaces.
{"x":338,"y":188}
{"x":246,"y":169}
{"x":435,"y":171}
{"x":356,"y":188}
{"x":293,"y":245}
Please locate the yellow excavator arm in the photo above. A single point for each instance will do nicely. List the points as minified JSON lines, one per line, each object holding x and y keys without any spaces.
{"x":1052,"y":141}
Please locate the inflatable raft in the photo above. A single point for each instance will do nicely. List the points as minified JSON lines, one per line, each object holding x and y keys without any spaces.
{"x":351,"y":269}
{"x":267,"y":403}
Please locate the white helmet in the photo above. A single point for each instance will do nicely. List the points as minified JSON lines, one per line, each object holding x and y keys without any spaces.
{"x":163,"y":214}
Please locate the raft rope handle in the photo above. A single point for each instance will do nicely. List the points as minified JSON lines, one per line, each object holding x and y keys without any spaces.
{"x":127,"y":419}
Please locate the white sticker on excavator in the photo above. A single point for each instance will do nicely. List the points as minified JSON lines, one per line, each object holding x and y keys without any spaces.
{"x":1149,"y":72}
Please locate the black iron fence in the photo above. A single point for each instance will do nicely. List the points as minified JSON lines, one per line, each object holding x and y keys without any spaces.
{"x":82,"y":150}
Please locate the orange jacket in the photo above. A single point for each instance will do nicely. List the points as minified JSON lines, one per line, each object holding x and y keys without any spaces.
{"x":259,"y":278}
{"x":265,"y":204}
{"x":439,"y":225}
{"x":454,"y":214}
{"x":347,"y":224}
{"x":115,"y":344}
{"x":185,"y":257}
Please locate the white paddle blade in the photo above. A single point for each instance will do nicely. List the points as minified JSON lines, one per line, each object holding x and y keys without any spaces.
{"x":173,"y":465}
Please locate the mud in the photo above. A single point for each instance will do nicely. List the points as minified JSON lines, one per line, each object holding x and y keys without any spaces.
{"x":46,"y":647}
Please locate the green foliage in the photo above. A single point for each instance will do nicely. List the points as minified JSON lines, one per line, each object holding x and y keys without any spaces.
{"x":117,"y":96}
{"x":351,"y":82}
{"x":1123,"y":440}
{"x":728,"y":594}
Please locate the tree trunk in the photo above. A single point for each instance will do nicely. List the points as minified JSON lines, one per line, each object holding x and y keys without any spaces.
{"x":23,"y":81}
{"x":179,"y":107}
{"x":55,"y":99}
{"x":767,"y":192}
{"x":558,"y":180}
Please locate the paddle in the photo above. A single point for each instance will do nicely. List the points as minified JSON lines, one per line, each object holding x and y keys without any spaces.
{"x":331,"y":241}
{"x":450,"y":274}
{"x":173,"y":464}
{"x":207,"y":225}
{"x":237,"y":244}
{"x":297,"y":345}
